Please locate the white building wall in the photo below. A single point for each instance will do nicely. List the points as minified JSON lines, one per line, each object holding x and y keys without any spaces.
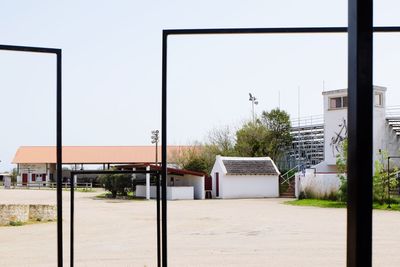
{"x":198,"y":185}
{"x":180,"y":193}
{"x":217,"y":168}
{"x":334,"y":119}
{"x":249,"y":186}
{"x":173,"y":192}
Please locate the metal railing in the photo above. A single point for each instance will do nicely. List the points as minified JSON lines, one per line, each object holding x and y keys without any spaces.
{"x":51,"y":185}
{"x":287,"y":176}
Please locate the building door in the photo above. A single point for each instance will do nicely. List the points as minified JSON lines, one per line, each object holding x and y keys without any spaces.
{"x":217,"y":184}
{"x":24,"y":178}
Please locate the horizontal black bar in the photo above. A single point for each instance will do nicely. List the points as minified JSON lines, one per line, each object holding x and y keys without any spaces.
{"x":30,"y":49}
{"x":272,"y":30}
{"x":114,"y":172}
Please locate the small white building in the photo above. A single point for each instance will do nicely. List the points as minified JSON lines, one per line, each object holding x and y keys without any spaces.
{"x":244,"y":177}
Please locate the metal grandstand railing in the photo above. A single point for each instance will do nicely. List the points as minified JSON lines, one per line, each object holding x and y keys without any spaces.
{"x":393,"y":118}
{"x":308,"y":141}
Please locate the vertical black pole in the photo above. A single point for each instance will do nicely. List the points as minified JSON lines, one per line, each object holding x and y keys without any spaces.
{"x":59,"y":164}
{"x":158,"y":222}
{"x":72,"y":181}
{"x":360,"y":118}
{"x":164,"y":149}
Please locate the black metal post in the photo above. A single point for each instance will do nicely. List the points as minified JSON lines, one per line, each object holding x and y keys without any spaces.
{"x":59,"y":162}
{"x":72,"y":210}
{"x":360,"y":135}
{"x":158,"y":221}
{"x":164,"y":149}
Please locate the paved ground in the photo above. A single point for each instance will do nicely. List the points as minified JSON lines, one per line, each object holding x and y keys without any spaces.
{"x":253,"y":232}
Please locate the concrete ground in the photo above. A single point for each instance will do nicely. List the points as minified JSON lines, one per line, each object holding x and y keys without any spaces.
{"x":248,"y":232}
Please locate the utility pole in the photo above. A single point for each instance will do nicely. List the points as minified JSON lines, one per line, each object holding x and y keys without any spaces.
{"x":154,"y":140}
{"x":253,"y":101}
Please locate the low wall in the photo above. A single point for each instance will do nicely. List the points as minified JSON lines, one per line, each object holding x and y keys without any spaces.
{"x":173,"y":192}
{"x":13,"y":213}
{"x":317,"y":184}
{"x":24,"y":213}
{"x":42,"y":212}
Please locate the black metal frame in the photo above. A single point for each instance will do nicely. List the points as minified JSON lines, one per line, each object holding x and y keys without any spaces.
{"x":58,"y":53}
{"x":72,"y":208}
{"x":360,"y":89}
{"x":359,"y":222}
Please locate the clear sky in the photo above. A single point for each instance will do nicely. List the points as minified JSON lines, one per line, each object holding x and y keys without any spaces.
{"x":112,"y":67}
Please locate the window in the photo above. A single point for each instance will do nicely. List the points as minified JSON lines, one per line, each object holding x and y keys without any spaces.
{"x":378,"y":99}
{"x":338,"y":102}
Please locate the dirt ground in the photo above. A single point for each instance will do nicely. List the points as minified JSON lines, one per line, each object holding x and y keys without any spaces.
{"x":246,"y":232}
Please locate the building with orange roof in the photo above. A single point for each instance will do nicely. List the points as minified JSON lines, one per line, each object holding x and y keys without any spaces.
{"x":37,"y":164}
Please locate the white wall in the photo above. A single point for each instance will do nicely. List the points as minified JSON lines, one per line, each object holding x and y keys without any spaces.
{"x":180,"y":192}
{"x":217,"y":168}
{"x":334,"y":117}
{"x":38,"y":169}
{"x":198,"y":185}
{"x":173,"y":192}
{"x":248,"y":186}
{"x":320,"y":184}
{"x":197,"y":182}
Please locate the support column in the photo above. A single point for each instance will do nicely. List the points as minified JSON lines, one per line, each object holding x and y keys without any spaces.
{"x":148,"y":183}
{"x":360,"y":134}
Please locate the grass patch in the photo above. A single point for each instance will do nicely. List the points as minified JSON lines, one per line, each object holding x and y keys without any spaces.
{"x":85,"y":190}
{"x":108,"y":195}
{"x":16,"y":223}
{"x":19,"y":223}
{"x":394,"y":207}
{"x":316,"y":203}
{"x":336,"y":204}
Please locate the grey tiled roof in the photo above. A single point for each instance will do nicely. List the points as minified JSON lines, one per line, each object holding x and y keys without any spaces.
{"x":245,"y":167}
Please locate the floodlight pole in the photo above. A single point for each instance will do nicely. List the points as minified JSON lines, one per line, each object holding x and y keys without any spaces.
{"x":155,"y":139}
{"x":253,"y":101}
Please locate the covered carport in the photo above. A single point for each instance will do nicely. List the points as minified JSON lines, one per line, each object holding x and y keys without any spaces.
{"x":181,"y":184}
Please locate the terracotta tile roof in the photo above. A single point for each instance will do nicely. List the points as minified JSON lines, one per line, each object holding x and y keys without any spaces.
{"x":93,"y":154}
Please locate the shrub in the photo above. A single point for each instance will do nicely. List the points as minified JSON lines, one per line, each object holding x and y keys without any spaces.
{"x":117,"y":183}
{"x":16,"y":223}
{"x":342,"y":192}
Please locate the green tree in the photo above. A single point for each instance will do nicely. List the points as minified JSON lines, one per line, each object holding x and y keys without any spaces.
{"x":14,"y":174}
{"x":278,"y":138}
{"x":117,"y":183}
{"x":198,"y":157}
{"x":381,"y":182}
{"x":251,"y":140}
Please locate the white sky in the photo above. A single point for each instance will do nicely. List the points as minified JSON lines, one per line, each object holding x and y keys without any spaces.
{"x":112,"y":67}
